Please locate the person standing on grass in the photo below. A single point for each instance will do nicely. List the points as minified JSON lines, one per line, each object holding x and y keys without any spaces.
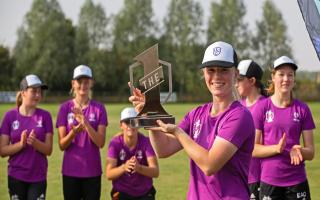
{"x":131,"y":162}
{"x":81,"y":124}
{"x":252,"y":91}
{"x":26,"y":137}
{"x":217,"y":136}
{"x":280,"y":121}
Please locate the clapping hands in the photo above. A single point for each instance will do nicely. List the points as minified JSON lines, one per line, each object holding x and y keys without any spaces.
{"x":132,"y":165}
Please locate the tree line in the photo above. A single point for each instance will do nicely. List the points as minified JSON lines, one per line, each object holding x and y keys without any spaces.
{"x":51,"y":45}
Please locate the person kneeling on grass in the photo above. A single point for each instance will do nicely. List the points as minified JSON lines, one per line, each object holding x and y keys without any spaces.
{"x":131,"y":162}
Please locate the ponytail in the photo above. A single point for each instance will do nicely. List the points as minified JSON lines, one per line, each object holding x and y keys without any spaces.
{"x":72,"y":93}
{"x":270,"y":89}
{"x":261,"y":88}
{"x":19,"y":99}
{"x":235,"y":93}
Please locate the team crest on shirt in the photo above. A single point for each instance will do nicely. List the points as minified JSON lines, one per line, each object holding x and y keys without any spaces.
{"x":92,"y":117}
{"x":122,"y":155}
{"x":139,"y":154}
{"x":39,"y":123}
{"x":196,"y":129}
{"x":70,"y":118}
{"x":296,"y":117}
{"x":269,"y":116}
{"x":15,"y":125}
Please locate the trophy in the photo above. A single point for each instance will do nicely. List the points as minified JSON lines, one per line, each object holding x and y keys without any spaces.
{"x":149,"y":85}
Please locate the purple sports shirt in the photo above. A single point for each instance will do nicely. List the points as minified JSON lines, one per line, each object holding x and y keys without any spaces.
{"x":273,"y":122}
{"x":28,"y":165}
{"x":82,"y":157}
{"x":132,"y":184}
{"x":255,"y":164}
{"x":234,"y":125}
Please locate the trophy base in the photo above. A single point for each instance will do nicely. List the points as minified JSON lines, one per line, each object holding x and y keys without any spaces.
{"x":150,"y":121}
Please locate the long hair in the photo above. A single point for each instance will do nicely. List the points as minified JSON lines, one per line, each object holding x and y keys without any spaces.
{"x":235,"y":92}
{"x":263,"y":91}
{"x":270,"y":89}
{"x":19,"y":98}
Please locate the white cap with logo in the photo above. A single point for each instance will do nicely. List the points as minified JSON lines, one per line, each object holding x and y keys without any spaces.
{"x":82,"y":71}
{"x":128,"y":113}
{"x":284,"y":60}
{"x":32,"y":81}
{"x":219,"y":54}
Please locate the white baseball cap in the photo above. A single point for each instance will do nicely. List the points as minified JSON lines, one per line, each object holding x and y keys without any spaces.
{"x":33,"y":81}
{"x":249,"y":68}
{"x":128,"y":113}
{"x":219,"y":54}
{"x":82,"y":71}
{"x":284,"y":60}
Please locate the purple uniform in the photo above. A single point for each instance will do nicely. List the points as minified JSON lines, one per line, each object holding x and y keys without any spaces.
{"x":255,"y":164}
{"x":82,"y":157}
{"x":273,"y":122}
{"x":132,"y":184}
{"x":28,"y":165}
{"x":234,"y":125}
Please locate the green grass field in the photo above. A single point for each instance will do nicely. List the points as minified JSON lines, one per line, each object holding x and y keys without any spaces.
{"x":174,"y":171}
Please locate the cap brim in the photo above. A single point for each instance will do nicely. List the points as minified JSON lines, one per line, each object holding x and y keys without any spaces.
{"x":216,"y":63}
{"x":81,"y":76}
{"x":294,"y":66}
{"x":42,"y":86}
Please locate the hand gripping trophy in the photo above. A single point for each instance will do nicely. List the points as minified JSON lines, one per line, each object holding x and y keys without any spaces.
{"x":149,"y":85}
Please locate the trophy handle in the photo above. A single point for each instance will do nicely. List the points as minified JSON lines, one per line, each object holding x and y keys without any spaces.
{"x":131,"y":67}
{"x":170,"y":79}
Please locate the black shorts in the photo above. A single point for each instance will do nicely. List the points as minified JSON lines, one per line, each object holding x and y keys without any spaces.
{"x":300,"y":191}
{"x":116,"y":195}
{"x":254,"y":190}
{"x":25,"y":190}
{"x":75,"y":188}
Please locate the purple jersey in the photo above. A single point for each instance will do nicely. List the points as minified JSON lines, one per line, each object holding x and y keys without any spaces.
{"x":132,"y":184}
{"x":273,"y":122}
{"x":28,"y":164}
{"x":234,"y":125}
{"x":255,"y":163}
{"x":82,"y":157}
